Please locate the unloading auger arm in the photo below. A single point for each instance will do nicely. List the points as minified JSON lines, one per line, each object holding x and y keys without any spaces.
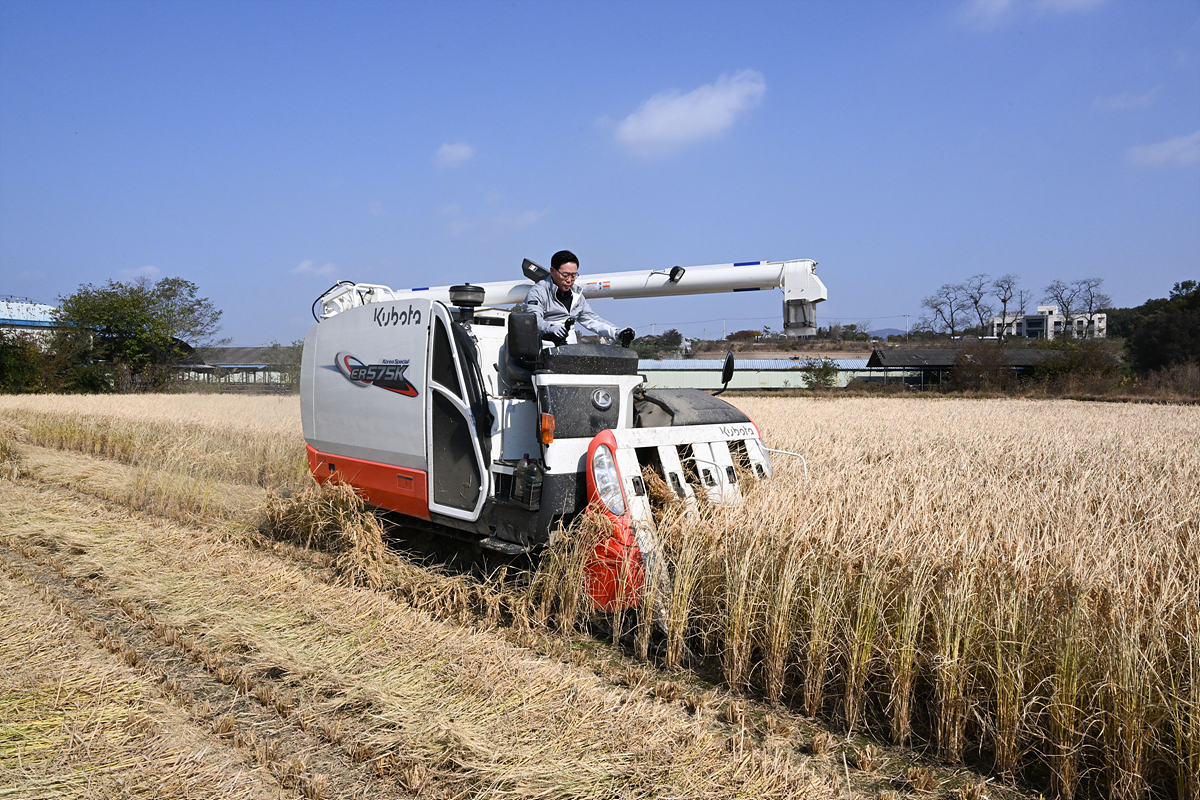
{"x":802,"y":289}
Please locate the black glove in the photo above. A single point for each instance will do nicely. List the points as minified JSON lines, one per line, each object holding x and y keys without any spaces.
{"x":626,"y":337}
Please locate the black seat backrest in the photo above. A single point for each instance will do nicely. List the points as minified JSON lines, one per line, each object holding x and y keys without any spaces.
{"x":524,"y":344}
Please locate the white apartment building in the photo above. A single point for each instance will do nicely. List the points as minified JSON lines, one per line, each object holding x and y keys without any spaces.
{"x":1047,"y":323}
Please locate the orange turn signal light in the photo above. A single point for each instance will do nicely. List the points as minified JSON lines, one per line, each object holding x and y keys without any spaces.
{"x":546,"y":429}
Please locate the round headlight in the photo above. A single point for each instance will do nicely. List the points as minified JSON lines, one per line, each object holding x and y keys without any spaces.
{"x":608,"y":480}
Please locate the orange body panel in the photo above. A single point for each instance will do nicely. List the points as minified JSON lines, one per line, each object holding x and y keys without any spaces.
{"x":614,"y":574}
{"x":382,"y":485}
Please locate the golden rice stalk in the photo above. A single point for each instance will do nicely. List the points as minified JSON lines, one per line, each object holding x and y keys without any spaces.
{"x":558,"y":588}
{"x":331,"y":517}
{"x":781,"y":618}
{"x":1013,"y":605}
{"x":688,"y":558}
{"x":10,"y":454}
{"x":1133,"y":657}
{"x":820,"y":607}
{"x":955,"y":633}
{"x":903,"y":626}
{"x":739,"y":560}
{"x":1070,"y":682}
{"x":859,"y":640}
{"x":1183,"y":698}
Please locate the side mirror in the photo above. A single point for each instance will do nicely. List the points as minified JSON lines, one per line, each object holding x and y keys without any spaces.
{"x":524,"y":344}
{"x":535,"y":272}
{"x":726,"y":373}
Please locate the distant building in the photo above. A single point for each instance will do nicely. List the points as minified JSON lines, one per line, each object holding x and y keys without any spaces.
{"x":24,"y":316}
{"x":236,"y":368}
{"x":922,"y":368}
{"x":1047,"y":323}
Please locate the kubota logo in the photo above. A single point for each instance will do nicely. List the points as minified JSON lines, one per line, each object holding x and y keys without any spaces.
{"x":386,"y":376}
{"x":737,"y":432}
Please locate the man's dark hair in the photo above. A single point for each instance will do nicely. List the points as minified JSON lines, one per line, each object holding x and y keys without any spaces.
{"x":563,"y":257}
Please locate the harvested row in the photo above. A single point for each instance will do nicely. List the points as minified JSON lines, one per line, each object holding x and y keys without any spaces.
{"x":476,"y":714}
{"x":269,"y":723}
{"x":75,"y":721}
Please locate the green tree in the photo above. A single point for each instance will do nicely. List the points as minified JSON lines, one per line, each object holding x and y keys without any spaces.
{"x":1170,"y":334}
{"x":671,"y":338}
{"x":133,"y":333}
{"x":20,"y":363}
{"x":819,"y":373}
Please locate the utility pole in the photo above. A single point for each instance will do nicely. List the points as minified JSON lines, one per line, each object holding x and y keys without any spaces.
{"x":906,"y":326}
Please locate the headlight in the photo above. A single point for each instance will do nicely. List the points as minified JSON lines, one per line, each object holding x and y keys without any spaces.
{"x":608,"y":480}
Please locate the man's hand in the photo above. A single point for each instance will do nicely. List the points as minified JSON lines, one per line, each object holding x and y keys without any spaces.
{"x":626,"y":337}
{"x":558,"y":333}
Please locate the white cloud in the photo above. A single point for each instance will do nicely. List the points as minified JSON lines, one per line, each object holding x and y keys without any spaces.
{"x":671,"y":120}
{"x":310,"y":268}
{"x":148,"y":271}
{"x":458,"y":226}
{"x":986,"y":14}
{"x":520,"y":219}
{"x":1181,"y":150}
{"x":1064,"y":6}
{"x":452,"y":155}
{"x":1126,"y":100}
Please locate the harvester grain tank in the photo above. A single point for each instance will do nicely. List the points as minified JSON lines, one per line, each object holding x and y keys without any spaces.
{"x":438,"y":405}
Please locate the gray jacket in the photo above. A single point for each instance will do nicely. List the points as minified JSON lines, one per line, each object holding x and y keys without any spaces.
{"x":543,"y":301}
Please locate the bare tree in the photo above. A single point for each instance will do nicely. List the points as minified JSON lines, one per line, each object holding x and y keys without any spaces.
{"x":1004,"y":289}
{"x":1024,"y":298}
{"x":947,"y":308}
{"x":975,"y":289}
{"x":1063,"y":296}
{"x":1090,"y":300}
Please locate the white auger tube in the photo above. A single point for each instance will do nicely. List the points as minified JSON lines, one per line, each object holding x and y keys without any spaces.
{"x":802,"y":289}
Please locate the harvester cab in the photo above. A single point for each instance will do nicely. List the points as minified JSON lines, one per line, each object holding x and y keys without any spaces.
{"x":438,"y":405}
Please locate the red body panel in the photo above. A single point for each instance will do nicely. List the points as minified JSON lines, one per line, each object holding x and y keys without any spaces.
{"x":382,"y":485}
{"x":613,"y":574}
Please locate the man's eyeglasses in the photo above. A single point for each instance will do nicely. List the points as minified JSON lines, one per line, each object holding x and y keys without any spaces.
{"x":567,"y":275}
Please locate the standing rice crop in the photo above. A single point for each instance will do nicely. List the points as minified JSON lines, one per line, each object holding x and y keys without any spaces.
{"x":1009,"y":581}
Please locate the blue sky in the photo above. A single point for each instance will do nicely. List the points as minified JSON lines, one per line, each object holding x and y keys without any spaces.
{"x":264,"y":150}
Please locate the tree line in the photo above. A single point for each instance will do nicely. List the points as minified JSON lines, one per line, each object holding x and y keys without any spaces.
{"x":118,"y":337}
{"x":1156,"y":335}
{"x":955,"y":308}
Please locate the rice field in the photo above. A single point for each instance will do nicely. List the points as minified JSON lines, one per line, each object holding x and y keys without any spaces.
{"x":1013,"y":583}
{"x":1007,"y":584}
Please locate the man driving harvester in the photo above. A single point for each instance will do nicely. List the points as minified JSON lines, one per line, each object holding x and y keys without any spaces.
{"x":559,"y":304}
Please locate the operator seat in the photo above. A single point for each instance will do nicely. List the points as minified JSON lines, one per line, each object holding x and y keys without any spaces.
{"x":522,"y":346}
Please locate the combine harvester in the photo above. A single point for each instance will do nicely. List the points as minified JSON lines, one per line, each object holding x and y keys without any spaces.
{"x":436,"y":404}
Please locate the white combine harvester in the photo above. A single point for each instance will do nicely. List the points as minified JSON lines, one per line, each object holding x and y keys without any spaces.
{"x":439,"y":406}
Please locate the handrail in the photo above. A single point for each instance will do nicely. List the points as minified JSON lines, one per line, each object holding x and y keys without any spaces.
{"x":787,"y":453}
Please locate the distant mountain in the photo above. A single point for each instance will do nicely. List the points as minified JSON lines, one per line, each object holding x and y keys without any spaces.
{"x":883,"y":333}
